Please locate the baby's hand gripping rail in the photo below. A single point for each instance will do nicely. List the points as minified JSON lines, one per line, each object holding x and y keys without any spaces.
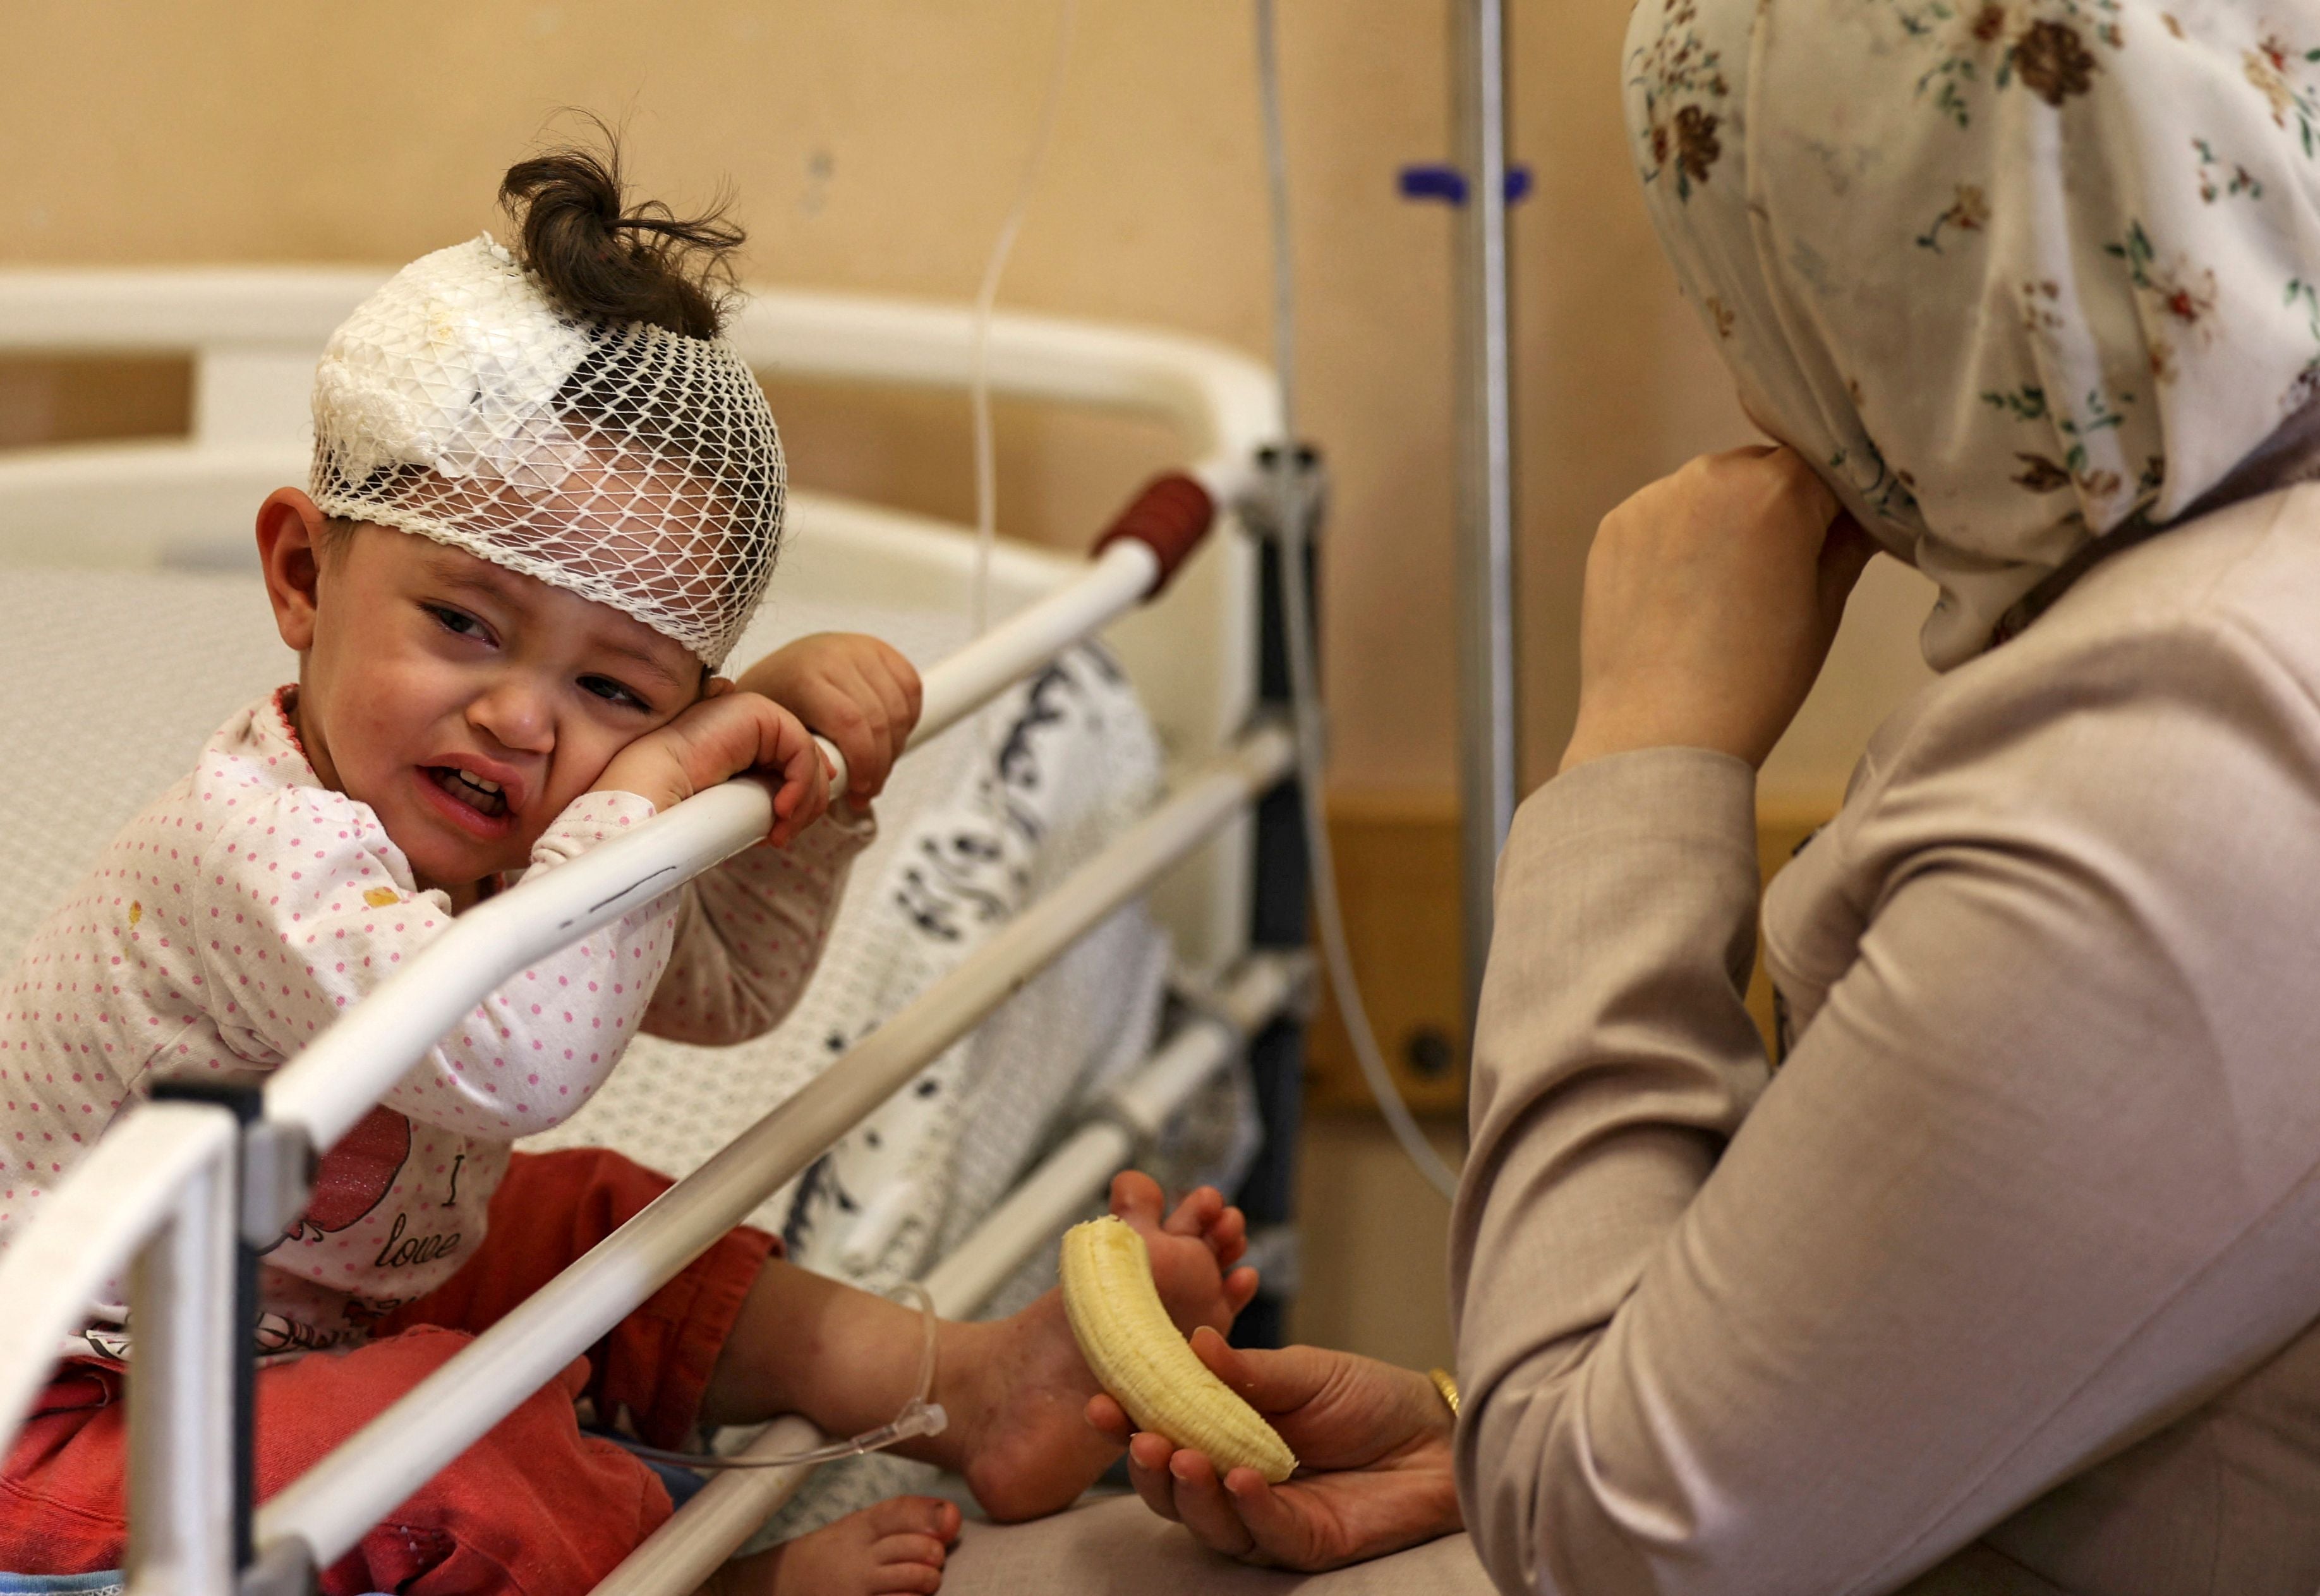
{"x":131,"y":1184}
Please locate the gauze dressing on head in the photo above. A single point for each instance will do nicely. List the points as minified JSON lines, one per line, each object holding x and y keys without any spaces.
{"x":631,"y":465}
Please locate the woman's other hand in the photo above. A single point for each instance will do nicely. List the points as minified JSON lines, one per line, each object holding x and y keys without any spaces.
{"x":1712,"y":597}
{"x":855,"y":690}
{"x":1373,"y":1440}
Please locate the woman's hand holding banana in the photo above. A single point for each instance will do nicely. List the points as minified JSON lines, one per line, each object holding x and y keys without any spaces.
{"x":1372,"y":1443}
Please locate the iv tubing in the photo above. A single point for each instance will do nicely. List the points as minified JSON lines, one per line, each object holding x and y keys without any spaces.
{"x":1303,"y":661}
{"x":920,"y":1416}
{"x":986,"y":469}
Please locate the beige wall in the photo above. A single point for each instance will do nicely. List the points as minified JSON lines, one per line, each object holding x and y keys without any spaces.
{"x":873,"y":145}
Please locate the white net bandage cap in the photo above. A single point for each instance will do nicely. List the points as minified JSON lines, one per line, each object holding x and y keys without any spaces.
{"x":618,"y":460}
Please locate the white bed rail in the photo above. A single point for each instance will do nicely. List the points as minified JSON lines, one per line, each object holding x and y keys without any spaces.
{"x":336,"y":1502}
{"x":153,"y":1190}
{"x":100,"y":1215}
{"x":255,"y":332}
{"x":159,"y":1194}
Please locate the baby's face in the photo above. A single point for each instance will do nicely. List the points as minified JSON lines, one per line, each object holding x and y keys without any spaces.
{"x":467,"y":704}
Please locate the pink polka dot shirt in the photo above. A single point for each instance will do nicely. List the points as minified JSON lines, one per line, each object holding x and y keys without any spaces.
{"x":250,"y":906}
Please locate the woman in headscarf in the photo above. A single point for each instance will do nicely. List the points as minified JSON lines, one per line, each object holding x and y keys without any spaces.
{"x":2008,"y":1279}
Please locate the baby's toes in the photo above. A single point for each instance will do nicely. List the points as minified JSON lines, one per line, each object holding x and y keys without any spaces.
{"x":928,"y":1519}
{"x":905,"y":1574}
{"x":1197,"y":1213}
{"x":910,"y":1548}
{"x":1138,"y":1198}
{"x":911,"y":1561}
{"x":1228,"y":1236}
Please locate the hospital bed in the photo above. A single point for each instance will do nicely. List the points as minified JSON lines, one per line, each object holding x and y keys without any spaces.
{"x":1183,"y":868}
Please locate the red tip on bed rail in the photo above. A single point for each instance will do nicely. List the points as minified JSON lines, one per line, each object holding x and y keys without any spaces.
{"x":1170,"y":517}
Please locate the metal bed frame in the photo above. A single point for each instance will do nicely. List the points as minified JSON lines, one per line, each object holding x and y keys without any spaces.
{"x":187,"y":1186}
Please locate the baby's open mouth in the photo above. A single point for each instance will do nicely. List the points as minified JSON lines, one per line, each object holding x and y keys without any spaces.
{"x":470,"y":789}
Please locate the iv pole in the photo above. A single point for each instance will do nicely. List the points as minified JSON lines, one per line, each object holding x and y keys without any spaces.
{"x":1487,"y":748}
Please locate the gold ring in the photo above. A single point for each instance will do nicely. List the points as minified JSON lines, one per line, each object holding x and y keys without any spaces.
{"x":1444,"y":1383}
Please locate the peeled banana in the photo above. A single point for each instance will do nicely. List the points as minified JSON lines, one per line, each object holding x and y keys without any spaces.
{"x":1151,"y":1371}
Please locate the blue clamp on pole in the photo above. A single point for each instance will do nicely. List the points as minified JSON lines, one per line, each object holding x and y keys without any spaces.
{"x":1432,"y":180}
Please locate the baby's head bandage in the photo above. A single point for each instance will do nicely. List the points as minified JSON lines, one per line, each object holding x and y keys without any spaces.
{"x":618,"y":460}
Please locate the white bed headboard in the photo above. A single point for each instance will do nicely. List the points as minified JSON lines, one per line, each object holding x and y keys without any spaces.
{"x":253,"y":335}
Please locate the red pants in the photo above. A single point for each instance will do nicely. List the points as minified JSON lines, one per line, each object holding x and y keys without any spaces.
{"x":535,"y":1507}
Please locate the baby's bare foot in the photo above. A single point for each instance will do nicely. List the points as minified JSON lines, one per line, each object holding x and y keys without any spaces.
{"x":898,"y":1545}
{"x":1027,"y":1445}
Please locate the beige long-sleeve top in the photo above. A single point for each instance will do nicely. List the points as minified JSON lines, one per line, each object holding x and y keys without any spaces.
{"x":2010,"y":1272}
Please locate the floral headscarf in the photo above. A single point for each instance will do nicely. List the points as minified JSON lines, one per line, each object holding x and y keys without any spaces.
{"x":2013,"y":273}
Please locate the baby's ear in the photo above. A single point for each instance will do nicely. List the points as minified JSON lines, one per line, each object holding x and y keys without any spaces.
{"x":291,"y":531}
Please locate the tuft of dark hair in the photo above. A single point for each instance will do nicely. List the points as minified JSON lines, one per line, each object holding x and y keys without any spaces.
{"x":599,"y":258}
